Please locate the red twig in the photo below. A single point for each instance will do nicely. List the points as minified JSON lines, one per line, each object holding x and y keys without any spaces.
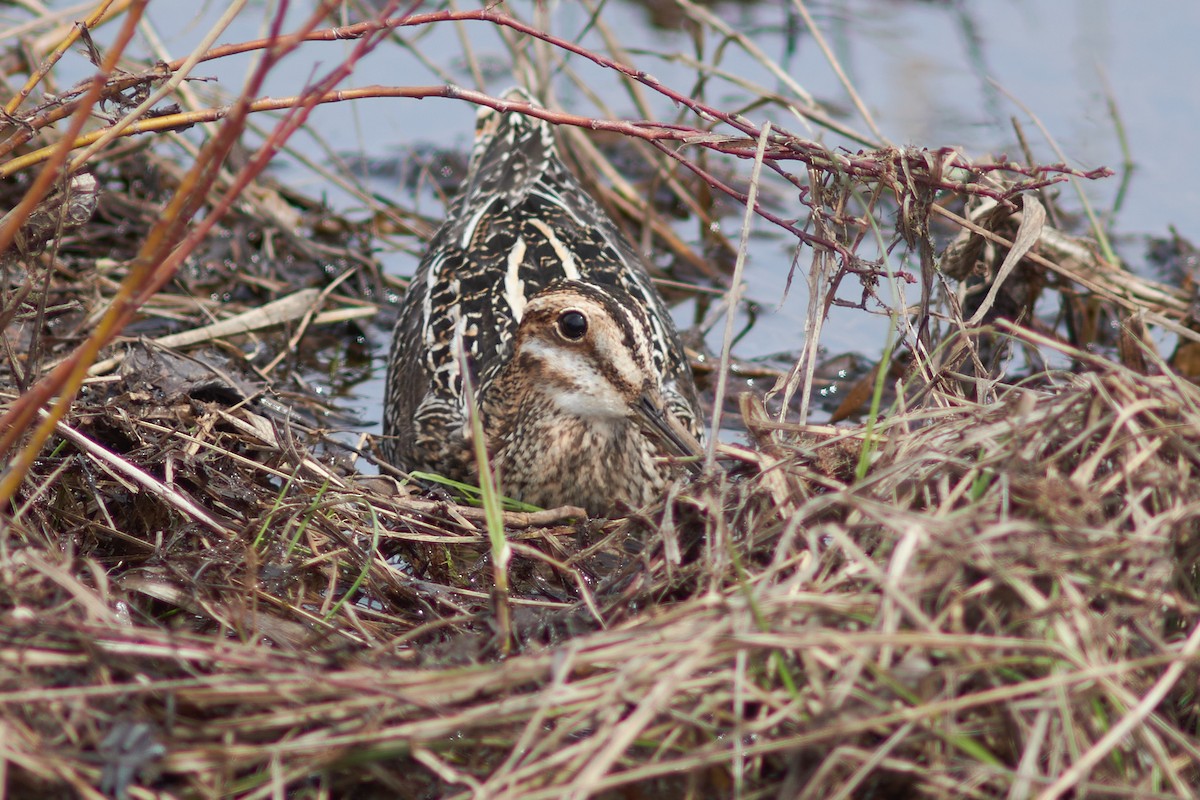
{"x":163,"y":249}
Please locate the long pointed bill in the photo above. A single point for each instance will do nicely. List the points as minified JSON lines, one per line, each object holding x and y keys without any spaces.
{"x":676,"y":440}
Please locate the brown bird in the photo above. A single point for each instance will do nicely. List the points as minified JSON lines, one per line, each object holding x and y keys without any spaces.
{"x":583,"y":388}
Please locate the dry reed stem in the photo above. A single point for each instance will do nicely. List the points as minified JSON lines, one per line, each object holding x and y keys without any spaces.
{"x":1002,"y":603}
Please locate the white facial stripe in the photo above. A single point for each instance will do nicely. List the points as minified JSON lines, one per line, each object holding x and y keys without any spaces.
{"x":589,"y":393}
{"x":514,"y":287}
{"x":565,"y":256}
{"x":625,"y":356}
{"x":611,"y":349}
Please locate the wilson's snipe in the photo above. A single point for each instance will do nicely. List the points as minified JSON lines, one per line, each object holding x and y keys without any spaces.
{"x":582,"y":384}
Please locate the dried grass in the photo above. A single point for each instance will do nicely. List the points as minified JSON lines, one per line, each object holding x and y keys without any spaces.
{"x":988,"y":591}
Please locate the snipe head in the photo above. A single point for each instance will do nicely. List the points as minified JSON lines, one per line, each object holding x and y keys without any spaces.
{"x":581,"y":410}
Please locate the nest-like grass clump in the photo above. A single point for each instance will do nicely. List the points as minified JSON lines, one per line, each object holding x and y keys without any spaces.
{"x":1006,"y":595}
{"x":986,"y":589}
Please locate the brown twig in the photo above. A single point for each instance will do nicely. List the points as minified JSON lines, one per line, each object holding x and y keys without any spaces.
{"x":159,"y":256}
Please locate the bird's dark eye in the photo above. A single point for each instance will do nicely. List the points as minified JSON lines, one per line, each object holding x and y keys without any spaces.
{"x":572,"y":325}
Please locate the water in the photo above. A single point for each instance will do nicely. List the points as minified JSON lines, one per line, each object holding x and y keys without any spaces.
{"x":932,"y":74}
